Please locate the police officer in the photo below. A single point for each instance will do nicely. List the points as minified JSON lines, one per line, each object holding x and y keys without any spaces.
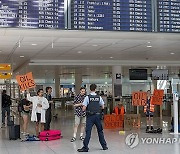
{"x":93,"y":104}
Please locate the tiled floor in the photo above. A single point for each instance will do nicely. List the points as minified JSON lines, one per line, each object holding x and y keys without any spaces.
{"x":116,"y":142}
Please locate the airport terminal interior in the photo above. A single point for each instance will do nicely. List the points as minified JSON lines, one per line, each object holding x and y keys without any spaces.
{"x":130,"y":49}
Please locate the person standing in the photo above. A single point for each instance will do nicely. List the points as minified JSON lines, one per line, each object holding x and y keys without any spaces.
{"x":6,"y":103}
{"x":48,"y":111}
{"x":93,"y":104}
{"x":80,"y":115}
{"x":39,"y":107}
{"x":26,"y":106}
{"x":149,"y":111}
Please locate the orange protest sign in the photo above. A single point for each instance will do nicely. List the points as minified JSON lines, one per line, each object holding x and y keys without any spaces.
{"x":157,"y":98}
{"x":113,"y":121}
{"x":25,"y":81}
{"x":139,"y":98}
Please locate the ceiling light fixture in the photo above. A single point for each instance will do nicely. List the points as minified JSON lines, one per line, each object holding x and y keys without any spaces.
{"x":172,"y":53}
{"x":149,"y":42}
{"x":21,"y":56}
{"x":33,"y":44}
{"x":94,"y":45}
{"x":149,"y":46}
{"x":111,"y":57}
{"x":79,"y":52}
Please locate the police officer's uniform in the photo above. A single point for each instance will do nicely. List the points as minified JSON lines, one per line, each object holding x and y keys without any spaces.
{"x":93,"y":105}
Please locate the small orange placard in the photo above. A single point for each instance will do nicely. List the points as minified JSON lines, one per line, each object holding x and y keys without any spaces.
{"x":157,"y":98}
{"x":25,"y":81}
{"x":113,"y":121}
{"x":139,"y":98}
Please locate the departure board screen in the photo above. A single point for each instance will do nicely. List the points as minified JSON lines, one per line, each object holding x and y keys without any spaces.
{"x":169,"y":15}
{"x":32,"y":13}
{"x":117,"y":15}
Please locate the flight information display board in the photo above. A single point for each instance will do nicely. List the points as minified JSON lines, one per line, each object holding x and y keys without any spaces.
{"x":117,"y":15}
{"x":32,"y":13}
{"x":169,"y":15}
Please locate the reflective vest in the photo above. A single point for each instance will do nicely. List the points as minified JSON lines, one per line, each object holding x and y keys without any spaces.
{"x":116,"y":109}
{"x":151,"y":107}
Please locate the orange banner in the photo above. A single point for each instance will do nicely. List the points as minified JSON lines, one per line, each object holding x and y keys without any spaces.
{"x":157,"y":98}
{"x":113,"y":121}
{"x":139,"y":98}
{"x":25,"y":81}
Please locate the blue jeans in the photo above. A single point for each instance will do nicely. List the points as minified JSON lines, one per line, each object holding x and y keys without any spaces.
{"x":4,"y":110}
{"x":94,"y":120}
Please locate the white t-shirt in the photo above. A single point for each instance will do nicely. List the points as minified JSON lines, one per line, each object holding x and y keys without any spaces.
{"x":40,"y":100}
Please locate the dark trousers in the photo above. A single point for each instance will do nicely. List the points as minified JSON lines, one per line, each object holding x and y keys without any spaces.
{"x":4,"y":110}
{"x":90,"y":121}
{"x":48,"y":119}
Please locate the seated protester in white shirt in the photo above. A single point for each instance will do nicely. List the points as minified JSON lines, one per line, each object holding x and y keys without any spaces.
{"x":40,"y":105}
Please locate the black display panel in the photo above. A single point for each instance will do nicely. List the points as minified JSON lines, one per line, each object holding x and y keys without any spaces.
{"x":32,"y":13}
{"x":117,"y":15}
{"x":138,"y":74}
{"x":169,"y":15}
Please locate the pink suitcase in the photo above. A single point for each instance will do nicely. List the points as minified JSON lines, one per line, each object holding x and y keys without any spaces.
{"x":50,"y":135}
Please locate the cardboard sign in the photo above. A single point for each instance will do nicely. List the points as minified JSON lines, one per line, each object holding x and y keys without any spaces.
{"x":132,"y":121}
{"x":139,"y":98}
{"x":113,"y":121}
{"x":25,"y":81}
{"x":157,"y":98}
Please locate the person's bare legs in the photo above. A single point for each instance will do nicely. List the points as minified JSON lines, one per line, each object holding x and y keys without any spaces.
{"x":42,"y":127}
{"x":37,"y":128}
{"x":25,"y":123}
{"x":82,"y":129}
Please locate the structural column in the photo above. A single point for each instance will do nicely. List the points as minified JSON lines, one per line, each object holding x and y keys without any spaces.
{"x":57,"y":83}
{"x":116,"y":83}
{"x":78,"y":80}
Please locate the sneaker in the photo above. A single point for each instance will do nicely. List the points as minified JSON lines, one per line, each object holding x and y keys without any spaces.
{"x":73,"y":139}
{"x":81,"y":138}
{"x":147,"y":128}
{"x":152,"y":128}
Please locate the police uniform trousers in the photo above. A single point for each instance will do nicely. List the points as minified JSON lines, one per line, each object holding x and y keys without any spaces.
{"x":48,"y":119}
{"x":90,"y":121}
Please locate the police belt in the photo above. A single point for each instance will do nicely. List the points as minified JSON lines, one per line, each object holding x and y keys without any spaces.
{"x":92,"y":113}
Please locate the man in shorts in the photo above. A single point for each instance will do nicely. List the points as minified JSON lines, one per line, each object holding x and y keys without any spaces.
{"x":80,"y":115}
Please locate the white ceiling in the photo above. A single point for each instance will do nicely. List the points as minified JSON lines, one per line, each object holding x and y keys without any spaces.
{"x":103,"y":47}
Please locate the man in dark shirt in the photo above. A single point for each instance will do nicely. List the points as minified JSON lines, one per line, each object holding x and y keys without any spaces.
{"x":48,"y":111}
{"x":80,"y":116}
{"x":6,"y":103}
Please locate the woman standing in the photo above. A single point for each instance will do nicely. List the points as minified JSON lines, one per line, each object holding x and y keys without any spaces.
{"x":39,"y":107}
{"x":26,"y":106}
